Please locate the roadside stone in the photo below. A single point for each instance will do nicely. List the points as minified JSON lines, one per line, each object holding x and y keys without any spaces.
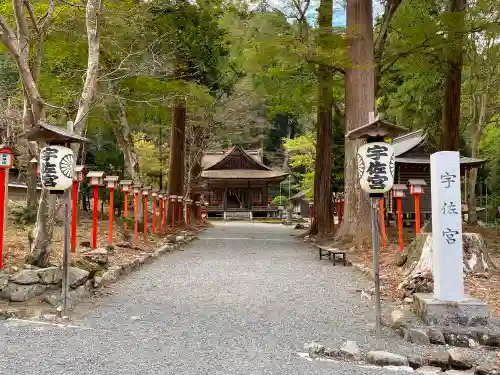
{"x":25,"y":277}
{"x":4,"y":280}
{"x":53,"y":299}
{"x":438,"y":358}
{"x":459,"y":372}
{"x":78,"y":294}
{"x":21,"y":293}
{"x":436,"y":336}
{"x":381,"y":358}
{"x":125,"y":245}
{"x":418,"y":336}
{"x":489,"y":338}
{"x":457,"y":337}
{"x":415,"y":361}
{"x":487,"y":370}
{"x":180,"y":239}
{"x":85,"y":244}
{"x":77,"y":276}
{"x":460,"y":358}
{"x":49,"y":317}
{"x":315,"y":349}
{"x":99,"y":255}
{"x":473,"y":344}
{"x":97,"y":281}
{"x":350,"y":350}
{"x":397,"y":319}
{"x":50,"y":275}
{"x":111,"y":275}
{"x":171,"y":238}
{"x":429,"y":370}
{"x":332,"y":353}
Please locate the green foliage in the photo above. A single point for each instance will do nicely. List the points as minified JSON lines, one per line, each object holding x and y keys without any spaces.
{"x":279,"y":201}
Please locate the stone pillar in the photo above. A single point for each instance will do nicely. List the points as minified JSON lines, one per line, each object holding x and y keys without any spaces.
{"x":447,"y":226}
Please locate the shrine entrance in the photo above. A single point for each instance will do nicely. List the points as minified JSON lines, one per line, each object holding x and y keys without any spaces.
{"x":237,"y":198}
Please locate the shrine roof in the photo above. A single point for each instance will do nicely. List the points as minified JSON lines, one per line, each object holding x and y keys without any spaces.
{"x":213,"y":157}
{"x":243,"y":174}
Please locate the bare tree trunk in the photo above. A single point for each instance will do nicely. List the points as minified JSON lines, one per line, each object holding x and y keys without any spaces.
{"x":360,"y":101}
{"x":126,"y":143}
{"x":480,"y":104}
{"x":177,"y":143}
{"x":44,"y":229}
{"x":450,"y":131}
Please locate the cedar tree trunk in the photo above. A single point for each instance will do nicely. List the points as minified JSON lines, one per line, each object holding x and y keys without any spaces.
{"x":360,"y":101}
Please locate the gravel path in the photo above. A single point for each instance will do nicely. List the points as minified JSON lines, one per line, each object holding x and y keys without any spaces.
{"x":241,"y":300}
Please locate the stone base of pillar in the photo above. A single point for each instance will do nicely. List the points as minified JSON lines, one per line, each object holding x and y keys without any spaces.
{"x":467,"y":312}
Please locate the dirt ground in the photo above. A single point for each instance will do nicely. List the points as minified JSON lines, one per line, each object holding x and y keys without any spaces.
{"x":17,"y":244}
{"x":482,"y":288}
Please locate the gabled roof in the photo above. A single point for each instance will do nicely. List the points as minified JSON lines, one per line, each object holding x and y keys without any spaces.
{"x":408,"y":142}
{"x":258,"y":164}
{"x":212,"y":157}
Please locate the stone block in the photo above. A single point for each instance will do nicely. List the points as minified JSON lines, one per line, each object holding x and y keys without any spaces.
{"x":381,"y":358}
{"x":467,"y":312}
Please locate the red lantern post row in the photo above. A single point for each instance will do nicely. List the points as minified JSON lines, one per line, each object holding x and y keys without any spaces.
{"x":416,"y":189}
{"x":136,"y":188}
{"x":145,"y":196}
{"x":126,"y":186}
{"x":111,"y":184}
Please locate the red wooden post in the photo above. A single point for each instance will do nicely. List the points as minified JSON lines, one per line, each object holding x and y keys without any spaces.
{"x":154,"y":193}
{"x":160,"y":211}
{"x":417,"y":188}
{"x":96,"y":179}
{"x":145,"y":196}
{"x":136,"y":189}
{"x":398,"y":192}
{"x":179,"y":209}
{"x":173,"y":199}
{"x":198,"y":212}
{"x":74,"y":208}
{"x":382,"y":223}
{"x":79,"y":175}
{"x":94,"y":221}
{"x":6,"y":162}
{"x":126,"y":187}
{"x":165,"y":213}
{"x":111,"y":184}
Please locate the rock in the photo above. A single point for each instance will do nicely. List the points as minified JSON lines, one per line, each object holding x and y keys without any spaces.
{"x":53,"y":299}
{"x":489,"y":338}
{"x":25,"y":277}
{"x":315,"y":349}
{"x":351,"y":350}
{"x":381,"y":358}
{"x":78,"y":294}
{"x":50,"y":275}
{"x":77,"y":276}
{"x":99,"y":255}
{"x":97,"y":281}
{"x":438,"y":358}
{"x":457,"y":337}
{"x":399,"y":368}
{"x":179,"y":239}
{"x":111,"y":275}
{"x":487,"y":370}
{"x":299,"y":226}
{"x":333,"y":353}
{"x":459,"y":372}
{"x":171,"y":238}
{"x":429,"y":370}
{"x":419,"y":336}
{"x":49,"y":317}
{"x":85,"y":244}
{"x":461,"y":359}
{"x":397,"y":319}
{"x":21,"y":293}
{"x":473,"y":344}
{"x":125,"y":245}
{"x":436,"y":336}
{"x":415,"y":361}
{"x":135,"y":317}
{"x":4,"y":279}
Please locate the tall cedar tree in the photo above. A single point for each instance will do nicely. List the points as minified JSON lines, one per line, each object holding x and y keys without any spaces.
{"x":323,"y":224}
{"x":359,"y":101}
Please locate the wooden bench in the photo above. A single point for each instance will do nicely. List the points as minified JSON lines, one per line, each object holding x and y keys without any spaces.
{"x":332,"y":253}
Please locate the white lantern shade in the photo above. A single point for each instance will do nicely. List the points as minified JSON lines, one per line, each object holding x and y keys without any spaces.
{"x":6,"y":157}
{"x":173,"y":198}
{"x":154,"y":193}
{"x":126,"y":185}
{"x":179,"y":198}
{"x":96,"y":178}
{"x":136,"y":188}
{"x":398,"y":194}
{"x":56,"y":167}
{"x":79,"y":173}
{"x":197,"y":203}
{"x":311,"y":204}
{"x":376,"y":162}
{"x":111,"y":182}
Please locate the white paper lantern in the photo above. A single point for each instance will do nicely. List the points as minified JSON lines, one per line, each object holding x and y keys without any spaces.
{"x":56,"y":167}
{"x":376,"y":167}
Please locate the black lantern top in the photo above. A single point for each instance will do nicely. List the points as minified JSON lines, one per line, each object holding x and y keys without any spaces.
{"x":54,"y":135}
{"x":376,"y":129}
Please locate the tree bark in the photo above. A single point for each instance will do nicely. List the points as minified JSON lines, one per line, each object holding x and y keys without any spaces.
{"x":360,"y":101}
{"x":480,"y":104}
{"x":126,"y":143}
{"x":450,"y":131}
{"x":177,"y":142}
